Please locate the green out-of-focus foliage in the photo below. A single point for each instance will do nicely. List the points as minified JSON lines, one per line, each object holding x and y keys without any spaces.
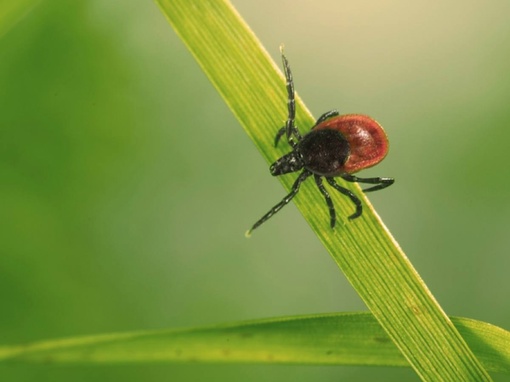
{"x":12,"y":11}
{"x":126,"y":185}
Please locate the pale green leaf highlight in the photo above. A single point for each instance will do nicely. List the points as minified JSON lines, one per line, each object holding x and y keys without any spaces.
{"x":12,"y":11}
{"x":253,"y":87}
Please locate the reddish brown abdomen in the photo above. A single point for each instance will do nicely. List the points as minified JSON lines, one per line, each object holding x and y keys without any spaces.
{"x":367,"y":140}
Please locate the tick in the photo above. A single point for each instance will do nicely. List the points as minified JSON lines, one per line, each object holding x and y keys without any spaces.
{"x":337,"y":146}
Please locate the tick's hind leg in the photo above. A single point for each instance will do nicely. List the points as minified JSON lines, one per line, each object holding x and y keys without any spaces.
{"x":346,"y":192}
{"x":329,"y":202}
{"x":379,"y":182}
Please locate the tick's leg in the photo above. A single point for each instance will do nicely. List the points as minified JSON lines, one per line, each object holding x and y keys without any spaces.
{"x":290,"y":128}
{"x":278,"y":136}
{"x":295,"y":188}
{"x":329,"y":202}
{"x":281,"y":133}
{"x":327,"y":115}
{"x":380,"y":182}
{"x":346,"y":192}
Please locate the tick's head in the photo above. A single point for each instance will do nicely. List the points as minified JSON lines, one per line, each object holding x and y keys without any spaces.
{"x":290,"y":162}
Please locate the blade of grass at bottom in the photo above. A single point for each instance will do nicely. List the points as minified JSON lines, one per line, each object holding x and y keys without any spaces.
{"x":332,"y":339}
{"x":253,"y":87}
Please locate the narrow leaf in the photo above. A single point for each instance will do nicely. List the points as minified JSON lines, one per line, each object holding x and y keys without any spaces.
{"x":253,"y":87}
{"x":332,"y":339}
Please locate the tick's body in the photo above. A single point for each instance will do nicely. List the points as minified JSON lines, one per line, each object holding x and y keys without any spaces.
{"x":337,"y":146}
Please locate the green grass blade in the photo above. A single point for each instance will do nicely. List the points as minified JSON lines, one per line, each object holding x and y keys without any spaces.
{"x":253,"y":87}
{"x":12,"y":11}
{"x":333,"y":339}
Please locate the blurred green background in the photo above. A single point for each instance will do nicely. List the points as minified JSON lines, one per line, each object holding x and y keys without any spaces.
{"x":126,"y":185}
